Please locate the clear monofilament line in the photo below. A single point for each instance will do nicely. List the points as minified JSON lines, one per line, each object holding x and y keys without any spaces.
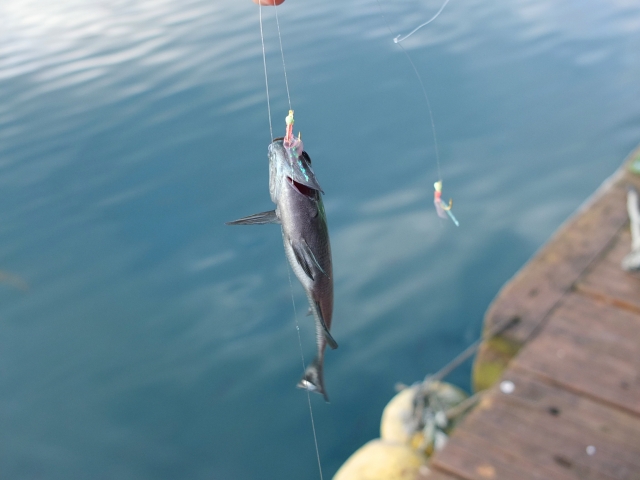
{"x":313,"y":425}
{"x":304,"y":368}
{"x":424,"y":90}
{"x":400,"y":38}
{"x":286,"y":82}
{"x":266,"y":78}
{"x":426,"y":97}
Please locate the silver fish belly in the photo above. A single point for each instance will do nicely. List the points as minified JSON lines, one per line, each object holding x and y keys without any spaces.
{"x":299,"y":210}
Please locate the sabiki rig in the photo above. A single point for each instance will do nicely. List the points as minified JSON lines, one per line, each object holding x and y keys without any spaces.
{"x":299,"y":210}
{"x":443,"y":209}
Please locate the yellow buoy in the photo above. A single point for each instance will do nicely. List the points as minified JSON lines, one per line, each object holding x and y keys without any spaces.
{"x":379,"y":459}
{"x":397,"y":421}
{"x":424,"y":430}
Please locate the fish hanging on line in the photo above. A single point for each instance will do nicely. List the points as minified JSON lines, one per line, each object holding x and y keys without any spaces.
{"x":299,"y":210}
{"x":443,"y":209}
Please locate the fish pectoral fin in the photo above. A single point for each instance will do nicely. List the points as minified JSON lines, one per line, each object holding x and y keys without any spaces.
{"x":310,"y":254}
{"x":301,"y":258}
{"x":327,"y":335}
{"x":309,"y":312}
{"x":261,"y":218}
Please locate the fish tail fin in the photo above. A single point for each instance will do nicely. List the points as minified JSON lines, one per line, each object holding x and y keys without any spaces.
{"x":313,"y":379}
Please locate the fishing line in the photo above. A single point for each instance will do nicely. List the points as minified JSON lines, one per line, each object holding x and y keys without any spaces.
{"x":304,"y":368}
{"x":266,"y":78}
{"x":415,"y":70}
{"x":286,"y":82}
{"x":398,"y":39}
{"x":293,"y":302}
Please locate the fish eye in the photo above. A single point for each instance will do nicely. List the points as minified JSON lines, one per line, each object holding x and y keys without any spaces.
{"x":306,"y":156}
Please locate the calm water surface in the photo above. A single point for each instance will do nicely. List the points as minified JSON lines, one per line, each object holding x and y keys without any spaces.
{"x":156,"y":343}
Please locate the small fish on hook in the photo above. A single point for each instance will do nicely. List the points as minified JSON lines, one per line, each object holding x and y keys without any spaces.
{"x":443,"y":209}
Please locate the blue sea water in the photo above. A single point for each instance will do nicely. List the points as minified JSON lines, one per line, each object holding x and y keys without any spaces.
{"x":153,"y":342}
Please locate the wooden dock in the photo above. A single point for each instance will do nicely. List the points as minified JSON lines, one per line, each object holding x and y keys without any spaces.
{"x":563,"y":398}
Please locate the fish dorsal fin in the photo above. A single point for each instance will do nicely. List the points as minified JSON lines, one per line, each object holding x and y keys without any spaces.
{"x":261,"y":218}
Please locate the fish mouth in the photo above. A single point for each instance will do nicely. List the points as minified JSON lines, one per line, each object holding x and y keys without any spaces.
{"x":302,"y":189}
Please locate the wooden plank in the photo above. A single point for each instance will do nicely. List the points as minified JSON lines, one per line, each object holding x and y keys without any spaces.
{"x":618,"y":458}
{"x":591,"y":348}
{"x":608,"y":282}
{"x":435,"y":474}
{"x":610,"y":382}
{"x":551,"y":452}
{"x":618,"y":427}
{"x":543,"y":431}
{"x":600,"y":326}
{"x":560,"y":431}
{"x":475,"y":458}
